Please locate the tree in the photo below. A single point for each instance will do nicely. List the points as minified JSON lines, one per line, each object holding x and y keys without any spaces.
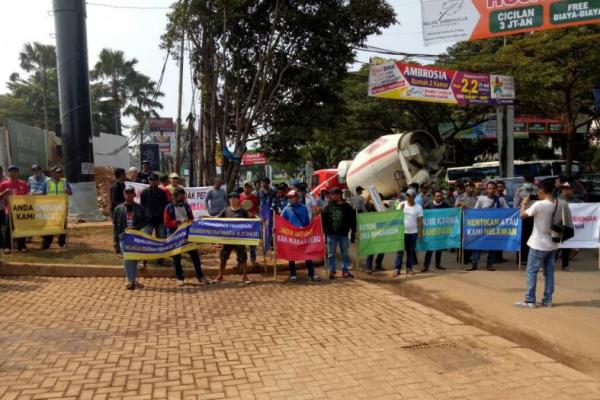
{"x":116,"y":71}
{"x":142,"y":95}
{"x":252,"y":58}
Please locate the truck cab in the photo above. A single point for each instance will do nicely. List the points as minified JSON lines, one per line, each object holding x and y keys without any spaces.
{"x":325,"y":179}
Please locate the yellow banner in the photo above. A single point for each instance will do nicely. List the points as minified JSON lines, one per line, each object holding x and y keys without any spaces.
{"x":38,"y":215}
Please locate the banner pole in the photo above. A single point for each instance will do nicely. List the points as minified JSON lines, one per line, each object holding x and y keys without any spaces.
{"x":10,"y":225}
{"x":519,"y":260}
{"x":599,"y":258}
{"x":263,"y":247}
{"x":462,"y":238}
{"x":357,"y":260}
{"x":274,"y":251}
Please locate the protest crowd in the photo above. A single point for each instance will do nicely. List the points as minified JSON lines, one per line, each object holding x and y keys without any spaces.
{"x":153,"y":220}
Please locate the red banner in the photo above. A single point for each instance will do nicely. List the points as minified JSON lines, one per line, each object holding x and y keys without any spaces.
{"x":299,"y":244}
{"x":249,"y":159}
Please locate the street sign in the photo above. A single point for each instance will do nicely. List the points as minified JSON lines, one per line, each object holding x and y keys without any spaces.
{"x":459,"y":20}
{"x":161,"y":124}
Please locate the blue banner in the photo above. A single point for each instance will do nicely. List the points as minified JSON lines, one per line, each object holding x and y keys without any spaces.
{"x":492,"y":229}
{"x":239,"y":231}
{"x":441,"y":229}
{"x":142,"y":247}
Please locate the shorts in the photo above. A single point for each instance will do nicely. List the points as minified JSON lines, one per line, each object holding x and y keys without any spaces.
{"x":240,"y":252}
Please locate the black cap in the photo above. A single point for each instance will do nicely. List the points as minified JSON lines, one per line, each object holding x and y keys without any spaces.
{"x":145,"y":162}
{"x":360,"y":189}
{"x":336,"y":190}
{"x":56,"y":169}
{"x":233,"y":194}
{"x":129,"y":189}
{"x":152,"y":176}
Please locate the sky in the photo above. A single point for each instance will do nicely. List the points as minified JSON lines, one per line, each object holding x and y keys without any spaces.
{"x":137,"y":33}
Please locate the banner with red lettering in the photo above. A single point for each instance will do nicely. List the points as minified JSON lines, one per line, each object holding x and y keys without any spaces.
{"x":586,"y":221}
{"x":299,"y":244}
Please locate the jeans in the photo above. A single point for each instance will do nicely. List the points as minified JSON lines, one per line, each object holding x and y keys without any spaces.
{"x":378,"y":261}
{"x":476,"y":255}
{"x":252,"y":253}
{"x":161,"y":231}
{"x":195,"y":256}
{"x":332,"y":242}
{"x":129,"y":265}
{"x":309,"y":267}
{"x":438,"y":259}
{"x":535,"y":260}
{"x":410,"y":246}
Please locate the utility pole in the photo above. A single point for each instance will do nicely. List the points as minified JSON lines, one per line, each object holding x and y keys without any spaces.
{"x":179,"y":100}
{"x":190,"y":119}
{"x":75,"y":107}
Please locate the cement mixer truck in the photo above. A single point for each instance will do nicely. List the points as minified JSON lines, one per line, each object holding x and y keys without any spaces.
{"x":389,"y":163}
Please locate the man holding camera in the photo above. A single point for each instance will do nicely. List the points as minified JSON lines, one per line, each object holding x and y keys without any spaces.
{"x":551,"y":219}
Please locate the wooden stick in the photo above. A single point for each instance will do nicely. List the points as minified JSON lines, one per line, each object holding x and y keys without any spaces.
{"x":10,"y":225}
{"x":274,"y":253}
{"x":357,"y":233}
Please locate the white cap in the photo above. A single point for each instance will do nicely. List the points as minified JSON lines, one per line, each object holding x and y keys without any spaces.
{"x":133,"y":169}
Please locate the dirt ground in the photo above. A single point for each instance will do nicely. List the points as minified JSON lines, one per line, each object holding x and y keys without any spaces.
{"x":568,"y":332}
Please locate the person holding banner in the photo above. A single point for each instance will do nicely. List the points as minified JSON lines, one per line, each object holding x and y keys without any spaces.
{"x":13,"y":186}
{"x":490,"y":200}
{"x":436,"y":203}
{"x":544,"y":242}
{"x":370,"y":206}
{"x":56,"y":185}
{"x":250,"y":203}
{"x":176,"y":213}
{"x":154,"y":201}
{"x":297,"y":214}
{"x":128,"y":215}
{"x":567,"y":194}
{"x":233,"y":211}
{"x":4,"y":219}
{"x":339,"y":219}
{"x":413,"y":230}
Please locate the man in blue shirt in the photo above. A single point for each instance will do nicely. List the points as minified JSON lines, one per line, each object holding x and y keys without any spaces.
{"x":37,"y":181}
{"x":297,"y":214}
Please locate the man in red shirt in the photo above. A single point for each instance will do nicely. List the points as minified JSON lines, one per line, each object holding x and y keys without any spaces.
{"x":250,"y":202}
{"x":13,"y":186}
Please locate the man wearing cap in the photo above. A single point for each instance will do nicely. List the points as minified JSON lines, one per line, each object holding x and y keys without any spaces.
{"x":13,"y":186}
{"x":37,"y":181}
{"x":215,"y":201}
{"x":132,"y":175}
{"x":128,"y":215}
{"x":145,"y":173}
{"x":177,"y":213}
{"x":281,"y":200}
{"x":567,"y":194}
{"x":175,"y":184}
{"x":413,"y":230}
{"x":233,"y":211}
{"x":297,"y":214}
{"x":154,"y":200}
{"x":56,"y":185}
{"x":358,"y":202}
{"x":250,"y":203}
{"x":338,"y":220}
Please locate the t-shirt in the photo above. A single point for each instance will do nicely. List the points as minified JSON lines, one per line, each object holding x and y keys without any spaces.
{"x":130,"y":216}
{"x":230,"y":213}
{"x":411,"y":216}
{"x":250,"y":203}
{"x":490,"y":202}
{"x":541,"y":237}
{"x":180,"y":213}
{"x":18,"y":188}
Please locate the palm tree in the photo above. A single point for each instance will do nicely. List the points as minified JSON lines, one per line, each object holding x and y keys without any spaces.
{"x":114,"y":68}
{"x":41,"y":60}
{"x":143,"y":97}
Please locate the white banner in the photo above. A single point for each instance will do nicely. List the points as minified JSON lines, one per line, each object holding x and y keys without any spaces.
{"x":195,"y":197}
{"x":586,"y":220}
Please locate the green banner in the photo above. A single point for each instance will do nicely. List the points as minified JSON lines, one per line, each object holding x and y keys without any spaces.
{"x":380,"y":232}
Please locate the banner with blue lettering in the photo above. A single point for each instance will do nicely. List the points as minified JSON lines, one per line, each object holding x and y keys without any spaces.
{"x":142,"y":247}
{"x":492,"y":229}
{"x":441,"y":229}
{"x":239,"y":231}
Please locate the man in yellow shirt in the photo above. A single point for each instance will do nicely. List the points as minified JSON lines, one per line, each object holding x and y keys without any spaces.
{"x":174,"y":185}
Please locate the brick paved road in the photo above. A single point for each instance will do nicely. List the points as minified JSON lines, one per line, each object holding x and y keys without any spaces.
{"x":89,"y":338}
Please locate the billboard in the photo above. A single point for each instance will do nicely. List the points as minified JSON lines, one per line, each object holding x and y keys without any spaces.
{"x":165,"y":141}
{"x":150,"y":152}
{"x":459,"y":20}
{"x":400,"y":81}
{"x":27,"y":145}
{"x":161,"y":124}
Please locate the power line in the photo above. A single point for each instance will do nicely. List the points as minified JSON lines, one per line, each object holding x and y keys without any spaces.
{"x":127,"y":7}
